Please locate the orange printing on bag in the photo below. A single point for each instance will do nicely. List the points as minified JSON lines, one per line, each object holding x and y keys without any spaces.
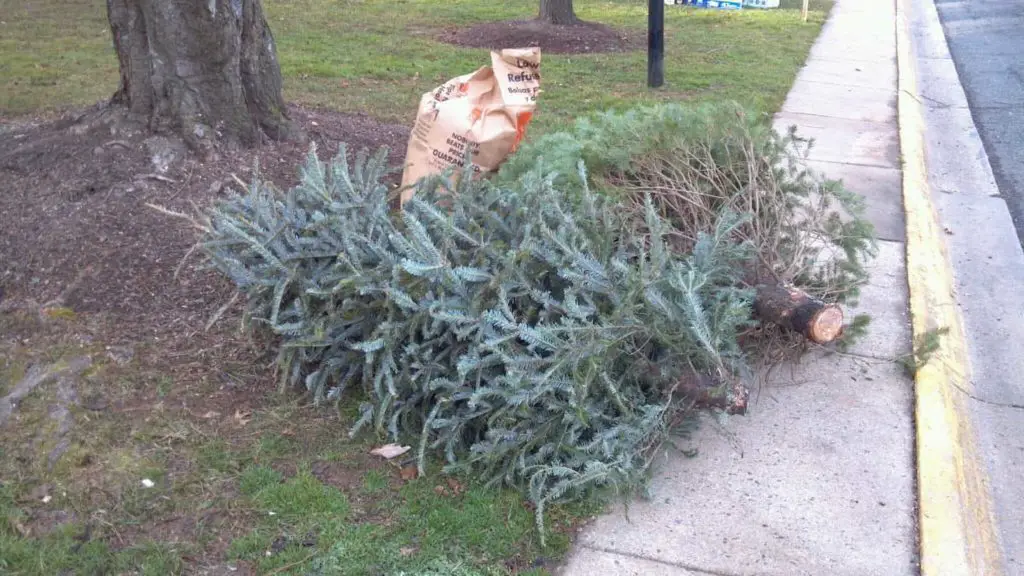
{"x":522,"y":119}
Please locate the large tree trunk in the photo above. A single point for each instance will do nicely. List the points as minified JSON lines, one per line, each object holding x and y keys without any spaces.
{"x":558,"y":12}
{"x":200,"y":68}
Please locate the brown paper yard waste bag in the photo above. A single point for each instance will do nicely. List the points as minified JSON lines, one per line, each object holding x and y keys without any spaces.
{"x":486,"y":111}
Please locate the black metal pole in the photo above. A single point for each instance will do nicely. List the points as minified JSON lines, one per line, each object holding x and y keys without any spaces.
{"x":655,"y":43}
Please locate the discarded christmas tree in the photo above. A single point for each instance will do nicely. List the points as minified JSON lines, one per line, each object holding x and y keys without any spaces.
{"x":535,"y":338}
{"x":547,"y":329}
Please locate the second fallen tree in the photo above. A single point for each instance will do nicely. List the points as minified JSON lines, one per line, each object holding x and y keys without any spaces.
{"x":809,"y":233}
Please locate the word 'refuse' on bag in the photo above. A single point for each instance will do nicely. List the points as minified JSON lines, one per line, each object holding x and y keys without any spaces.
{"x":486,"y":111}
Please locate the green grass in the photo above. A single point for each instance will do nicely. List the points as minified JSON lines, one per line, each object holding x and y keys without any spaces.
{"x":285,"y":492}
{"x":54,"y":54}
{"x":70,"y":550}
{"x":379,"y":56}
{"x":375,"y":482}
{"x":416,"y":527}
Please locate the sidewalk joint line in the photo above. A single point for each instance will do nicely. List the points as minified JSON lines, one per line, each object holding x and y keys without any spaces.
{"x":902,"y":242}
{"x":879,"y":122}
{"x":689,"y":567}
{"x":890,"y":89}
{"x":891,"y":240}
{"x":863,"y":356}
{"x":820,"y":58}
{"x":861,"y":164}
{"x":865,"y":121}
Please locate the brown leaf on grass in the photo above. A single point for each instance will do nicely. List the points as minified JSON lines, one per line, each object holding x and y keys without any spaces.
{"x":25,"y":533}
{"x":455,"y":486}
{"x":440,"y":490}
{"x":408,"y":472}
{"x":408,"y":550}
{"x":389,"y":451}
{"x":242,"y":417}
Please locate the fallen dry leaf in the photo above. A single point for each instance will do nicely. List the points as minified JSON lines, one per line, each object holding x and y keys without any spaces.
{"x":407,"y":550}
{"x":211,"y":414}
{"x":455,"y":486}
{"x":408,"y":472}
{"x":21,"y":529}
{"x":440,"y":490}
{"x":389,"y":451}
{"x":243,"y":417}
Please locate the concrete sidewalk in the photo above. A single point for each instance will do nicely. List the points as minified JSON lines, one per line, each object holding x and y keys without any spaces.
{"x":818,"y":478}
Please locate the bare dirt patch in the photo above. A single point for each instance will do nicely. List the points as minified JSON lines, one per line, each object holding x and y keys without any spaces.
{"x":347,"y":477}
{"x":78,"y":234}
{"x":582,"y":38}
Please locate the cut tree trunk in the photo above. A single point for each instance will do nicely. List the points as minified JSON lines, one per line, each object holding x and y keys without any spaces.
{"x":793,"y":309}
{"x":200,"y":68}
{"x":558,"y":12}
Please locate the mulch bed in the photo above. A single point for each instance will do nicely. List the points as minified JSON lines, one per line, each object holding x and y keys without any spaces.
{"x":582,"y":38}
{"x":77,"y":233}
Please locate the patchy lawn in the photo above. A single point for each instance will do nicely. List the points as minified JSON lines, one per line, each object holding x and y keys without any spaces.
{"x":135,"y":440}
{"x":379,"y":56}
{"x":156,"y":474}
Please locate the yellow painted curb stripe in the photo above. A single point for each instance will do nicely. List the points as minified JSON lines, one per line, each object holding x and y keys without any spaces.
{"x":957,"y":529}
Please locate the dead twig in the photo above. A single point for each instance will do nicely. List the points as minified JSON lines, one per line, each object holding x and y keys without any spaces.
{"x":220,"y":312}
{"x":181,"y":265}
{"x":292,"y":564}
{"x":188,"y":179}
{"x":196,"y":223}
{"x":158,"y":177}
{"x":239,"y":181}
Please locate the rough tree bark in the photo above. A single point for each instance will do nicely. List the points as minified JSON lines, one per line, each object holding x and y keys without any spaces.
{"x":794,"y":309}
{"x":200,"y":68}
{"x":558,"y":12}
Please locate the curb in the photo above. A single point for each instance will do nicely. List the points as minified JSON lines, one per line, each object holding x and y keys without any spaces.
{"x":956,"y":525}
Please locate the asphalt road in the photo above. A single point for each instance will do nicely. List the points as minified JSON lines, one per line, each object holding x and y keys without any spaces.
{"x":986,"y":40}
